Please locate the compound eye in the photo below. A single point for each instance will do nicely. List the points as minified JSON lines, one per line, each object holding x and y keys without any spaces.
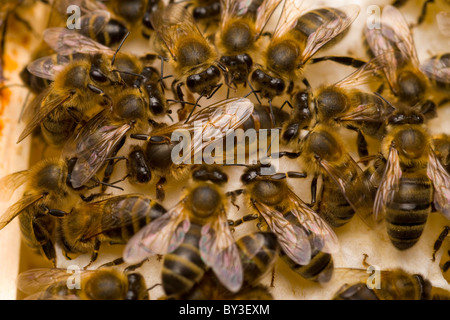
{"x":97,"y":76}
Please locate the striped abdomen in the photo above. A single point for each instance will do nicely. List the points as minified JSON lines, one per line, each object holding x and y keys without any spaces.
{"x":320,"y":269}
{"x":38,"y":230}
{"x":256,"y":265}
{"x":136,"y":209}
{"x":334,"y":207}
{"x":408,"y":212}
{"x":312,"y":20}
{"x":183,"y":267}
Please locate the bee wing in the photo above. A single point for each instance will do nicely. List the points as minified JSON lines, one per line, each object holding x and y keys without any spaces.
{"x":42,"y":105}
{"x":10,"y":182}
{"x":363,"y":74}
{"x":264,"y":14}
{"x":174,"y":23}
{"x":437,"y":69}
{"x":395,"y":28}
{"x":119,"y":214}
{"x":356,"y":189}
{"x":323,"y":237}
{"x":290,"y":12}
{"x":232,"y":8}
{"x":17,"y":208}
{"x":389,"y":184}
{"x":219,"y":251}
{"x":38,"y":279}
{"x":160,"y":236}
{"x":85,"y":6}
{"x":92,"y":145}
{"x":384,"y":49}
{"x":292,"y":238}
{"x":46,"y":67}
{"x":369,"y":112}
{"x":66,"y":42}
{"x":328,"y":31}
{"x":441,"y":182}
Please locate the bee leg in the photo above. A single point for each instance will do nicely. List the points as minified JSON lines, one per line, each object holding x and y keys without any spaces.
{"x":91,"y":197}
{"x":115,"y":262}
{"x":347,"y":61}
{"x":253,"y":91}
{"x":160,"y":193}
{"x":290,"y":155}
{"x":286,"y":103}
{"x":193,"y":108}
{"x":363,"y":152}
{"x":233,"y":195}
{"x":100,"y":92}
{"x":43,"y":238}
{"x":272,"y":281}
{"x":246,"y":218}
{"x":133,"y":267}
{"x":95,"y":251}
{"x":440,"y":239}
{"x":423,"y":12}
{"x":314,"y":190}
{"x":446,"y":266}
{"x":111,"y":163}
{"x":53,"y":212}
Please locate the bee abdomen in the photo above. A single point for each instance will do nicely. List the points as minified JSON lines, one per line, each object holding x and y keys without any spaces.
{"x":320,"y":269}
{"x":407,"y":214}
{"x":334,"y":208}
{"x":184,"y":266}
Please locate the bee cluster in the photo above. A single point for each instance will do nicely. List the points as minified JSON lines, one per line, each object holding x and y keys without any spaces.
{"x":113,"y":189}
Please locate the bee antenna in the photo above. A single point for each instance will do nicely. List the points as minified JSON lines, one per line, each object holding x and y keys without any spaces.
{"x":120,"y":46}
{"x":154,"y":286}
{"x":384,"y":99}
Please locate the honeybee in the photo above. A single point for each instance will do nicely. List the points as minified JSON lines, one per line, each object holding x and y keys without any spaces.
{"x":78,"y":86}
{"x":444,"y":264}
{"x":193,"y":58}
{"x":95,"y":22}
{"x":344,"y":184}
{"x":292,"y":45}
{"x":423,"y":12}
{"x":47,"y":197}
{"x":412,"y":180}
{"x":104,"y":134}
{"x":341,"y":103}
{"x":304,"y":237}
{"x":241,"y":26}
{"x":395,"y":284}
{"x":193,"y":235}
{"x":207,"y":128}
{"x":395,"y":44}
{"x":112,"y":219}
{"x":258,"y":251}
{"x":66,"y":284}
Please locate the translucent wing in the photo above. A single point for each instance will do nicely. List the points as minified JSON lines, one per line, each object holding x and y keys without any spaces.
{"x":389,"y":183}
{"x":48,"y":67}
{"x":230,"y":9}
{"x":329,"y":30}
{"x":216,"y":121}
{"x":66,"y":42}
{"x":38,"y":279}
{"x":92,"y":145}
{"x":288,"y":18}
{"x":18,"y":207}
{"x":395,"y":28}
{"x":219,"y":251}
{"x":10,"y":182}
{"x":121,"y":211}
{"x":381,"y":47}
{"x":322,"y":235}
{"x":437,"y":69}
{"x":441,"y":182}
{"x":292,"y":238}
{"x":357,"y":190}
{"x":264,"y":14}
{"x":174,"y":24}
{"x":363,"y":74}
{"x":160,"y":236}
{"x":48,"y":103}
